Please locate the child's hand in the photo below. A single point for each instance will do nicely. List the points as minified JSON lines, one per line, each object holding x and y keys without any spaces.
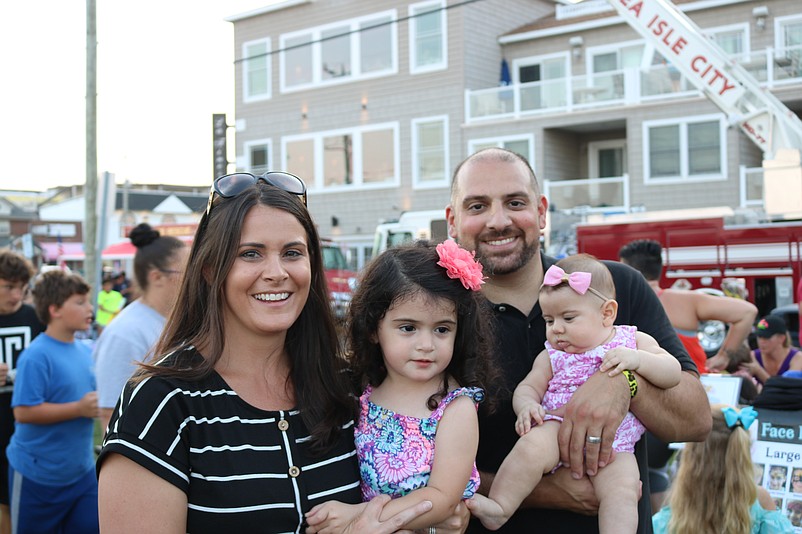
{"x":332,"y":516}
{"x":528,"y":413}
{"x":87,"y":406}
{"x":619,"y":359}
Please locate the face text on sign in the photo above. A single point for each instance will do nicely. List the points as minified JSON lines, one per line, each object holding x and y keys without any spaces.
{"x":787,"y":433}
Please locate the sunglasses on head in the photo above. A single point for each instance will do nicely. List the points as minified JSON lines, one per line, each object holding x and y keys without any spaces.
{"x":232,"y":185}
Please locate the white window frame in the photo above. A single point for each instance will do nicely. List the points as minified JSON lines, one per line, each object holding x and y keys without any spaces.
{"x":316,"y":182}
{"x":247,"y":148}
{"x":779,"y":29}
{"x":413,"y":30}
{"x":742,"y":27}
{"x":356,"y":72}
{"x":528,"y":61}
{"x":417,"y":183}
{"x":684,"y":177}
{"x":646,"y":58}
{"x":499,"y":140}
{"x":246,"y":97}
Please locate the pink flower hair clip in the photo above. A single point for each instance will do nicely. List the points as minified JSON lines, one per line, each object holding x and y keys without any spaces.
{"x":459,"y":263}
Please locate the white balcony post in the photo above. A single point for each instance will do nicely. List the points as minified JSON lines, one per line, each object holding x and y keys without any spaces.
{"x":742,"y":184}
{"x":516,"y":99}
{"x":626,"y":192}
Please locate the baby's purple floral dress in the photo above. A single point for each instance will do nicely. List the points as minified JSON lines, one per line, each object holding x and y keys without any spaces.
{"x":572,"y":370}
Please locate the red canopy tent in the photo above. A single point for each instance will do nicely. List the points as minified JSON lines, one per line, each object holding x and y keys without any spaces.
{"x":121,"y":250}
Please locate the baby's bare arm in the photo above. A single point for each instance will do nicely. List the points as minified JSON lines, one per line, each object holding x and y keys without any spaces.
{"x":650,"y":360}
{"x":531,"y":389}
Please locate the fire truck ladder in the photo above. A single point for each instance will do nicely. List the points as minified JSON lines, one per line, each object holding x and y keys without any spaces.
{"x":760,"y":115}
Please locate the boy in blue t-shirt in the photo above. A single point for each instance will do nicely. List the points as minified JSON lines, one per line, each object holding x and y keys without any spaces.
{"x":52,"y":480}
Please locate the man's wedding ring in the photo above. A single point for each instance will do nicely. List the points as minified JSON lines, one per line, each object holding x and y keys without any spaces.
{"x":594,"y":439}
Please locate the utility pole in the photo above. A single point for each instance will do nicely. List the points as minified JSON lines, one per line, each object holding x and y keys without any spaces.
{"x":91,"y":266}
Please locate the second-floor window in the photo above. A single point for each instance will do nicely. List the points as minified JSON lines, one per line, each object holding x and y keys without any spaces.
{"x":430,"y":166}
{"x":732,"y":39}
{"x":256,"y":70}
{"x":338,"y":52}
{"x":258,"y":154}
{"x":427,"y":37}
{"x":360,"y":157}
{"x":788,"y":39}
{"x":689,"y":149}
{"x":520,"y":144}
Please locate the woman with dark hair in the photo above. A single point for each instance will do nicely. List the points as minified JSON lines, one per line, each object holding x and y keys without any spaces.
{"x":158,"y":264}
{"x":244,"y":421}
{"x":774,"y":354}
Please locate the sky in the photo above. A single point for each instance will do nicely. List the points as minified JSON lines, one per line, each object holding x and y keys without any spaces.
{"x":164,"y":67}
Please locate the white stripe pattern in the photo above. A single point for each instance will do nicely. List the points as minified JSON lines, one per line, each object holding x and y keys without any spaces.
{"x":332,"y":491}
{"x":235,"y":463}
{"x":208,"y":421}
{"x":329,"y":461}
{"x":222,"y":448}
{"x":252,"y":476}
{"x":271,"y":506}
{"x":148,"y":455}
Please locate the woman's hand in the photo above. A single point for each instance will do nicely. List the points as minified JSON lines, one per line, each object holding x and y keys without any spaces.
{"x":367,"y":519}
{"x":456,"y":524}
{"x":332,"y":517}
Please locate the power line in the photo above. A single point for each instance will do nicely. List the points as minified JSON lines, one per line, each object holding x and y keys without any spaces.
{"x":350,"y":32}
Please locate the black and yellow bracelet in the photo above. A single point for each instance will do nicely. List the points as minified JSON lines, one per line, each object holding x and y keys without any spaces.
{"x":632,"y":381}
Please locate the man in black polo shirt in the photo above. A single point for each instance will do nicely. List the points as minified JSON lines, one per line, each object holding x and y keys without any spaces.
{"x":497,"y":210}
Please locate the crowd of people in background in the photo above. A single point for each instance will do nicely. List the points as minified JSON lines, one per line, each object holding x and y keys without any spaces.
{"x":237,"y":409}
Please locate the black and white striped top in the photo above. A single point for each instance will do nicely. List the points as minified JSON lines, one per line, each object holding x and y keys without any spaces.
{"x":243,"y":469}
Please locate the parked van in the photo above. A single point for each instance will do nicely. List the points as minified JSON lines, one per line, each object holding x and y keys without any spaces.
{"x":411,"y":226}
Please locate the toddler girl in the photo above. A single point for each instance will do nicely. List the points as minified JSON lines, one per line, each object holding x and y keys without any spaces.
{"x":420,"y":344}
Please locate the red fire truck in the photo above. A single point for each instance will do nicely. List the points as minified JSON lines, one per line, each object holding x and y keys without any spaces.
{"x":340,"y":279}
{"x":766,"y":258}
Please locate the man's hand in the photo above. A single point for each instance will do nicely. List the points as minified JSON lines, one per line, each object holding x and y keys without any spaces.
{"x":719,"y":362}
{"x":532,"y":411}
{"x":561,"y":491}
{"x":3,"y":373}
{"x":595,"y":409}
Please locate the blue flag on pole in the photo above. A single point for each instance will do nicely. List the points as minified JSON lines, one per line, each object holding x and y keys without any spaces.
{"x":504,"y":80}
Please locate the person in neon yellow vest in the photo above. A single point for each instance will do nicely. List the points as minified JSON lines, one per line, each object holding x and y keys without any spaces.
{"x":109,"y":304}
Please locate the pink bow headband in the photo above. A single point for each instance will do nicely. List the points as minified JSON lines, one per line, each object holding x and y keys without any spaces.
{"x":579,"y":281}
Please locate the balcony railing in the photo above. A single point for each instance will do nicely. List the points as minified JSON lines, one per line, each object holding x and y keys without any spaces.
{"x":770,"y":67}
{"x":595,"y":195}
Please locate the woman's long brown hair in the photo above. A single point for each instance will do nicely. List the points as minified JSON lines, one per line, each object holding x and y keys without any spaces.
{"x":316,"y":367}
